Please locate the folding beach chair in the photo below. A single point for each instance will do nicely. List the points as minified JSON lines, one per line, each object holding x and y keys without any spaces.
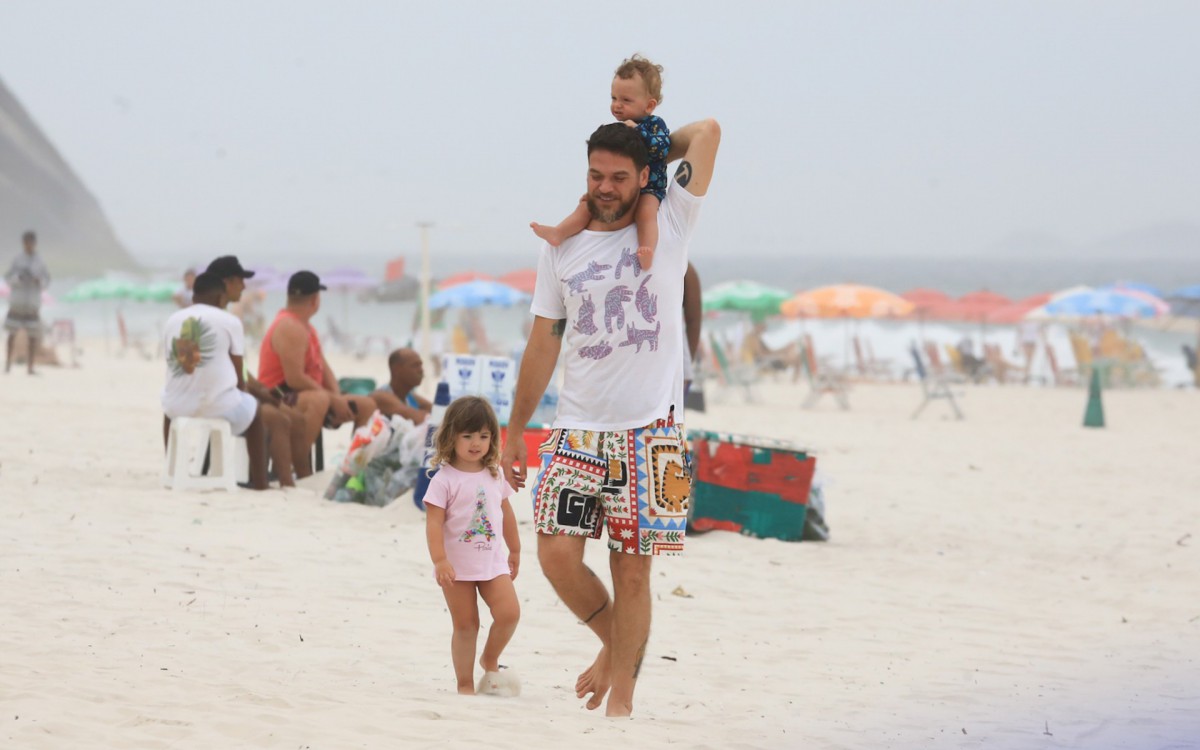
{"x":734,"y":375}
{"x":821,"y":380}
{"x":1062,"y":376}
{"x":932,"y":386}
{"x":868,"y":367}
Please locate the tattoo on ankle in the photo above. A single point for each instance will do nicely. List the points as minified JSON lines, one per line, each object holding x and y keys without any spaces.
{"x":637,"y":665}
{"x":592,"y":616}
{"x":683,"y":175}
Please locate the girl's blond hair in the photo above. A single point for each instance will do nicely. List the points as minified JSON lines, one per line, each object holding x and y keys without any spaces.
{"x":467,"y":414}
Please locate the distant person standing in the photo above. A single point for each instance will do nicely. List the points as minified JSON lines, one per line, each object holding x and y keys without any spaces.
{"x":26,"y":278}
{"x":183,"y":295}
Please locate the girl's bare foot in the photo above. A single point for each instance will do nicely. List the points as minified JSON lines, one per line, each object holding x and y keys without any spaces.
{"x":552,"y":235}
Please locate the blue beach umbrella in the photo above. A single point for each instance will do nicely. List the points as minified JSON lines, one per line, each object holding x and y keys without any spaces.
{"x":1102,"y":302}
{"x":477,"y":294}
{"x":1135,"y":286}
{"x":1185,"y":301}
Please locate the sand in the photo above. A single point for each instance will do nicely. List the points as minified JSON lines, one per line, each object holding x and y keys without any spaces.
{"x":1009,"y":581}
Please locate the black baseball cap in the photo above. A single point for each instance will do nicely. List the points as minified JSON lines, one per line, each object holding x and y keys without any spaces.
{"x":228,"y":266}
{"x":207,"y":283}
{"x":305,"y":283}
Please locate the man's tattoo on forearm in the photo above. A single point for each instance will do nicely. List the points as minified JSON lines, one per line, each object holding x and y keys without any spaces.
{"x":683,"y":175}
{"x":559,"y":328}
{"x":637,"y":665}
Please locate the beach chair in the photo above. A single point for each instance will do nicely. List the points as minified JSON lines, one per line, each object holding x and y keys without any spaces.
{"x":868,"y":367}
{"x":822,"y":380}
{"x":932,"y":386}
{"x":129,"y":341}
{"x":1062,"y":376}
{"x":734,"y":375}
{"x":1001,"y":369}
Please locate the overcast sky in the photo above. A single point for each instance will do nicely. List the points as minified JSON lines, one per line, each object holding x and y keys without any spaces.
{"x":288,"y":129}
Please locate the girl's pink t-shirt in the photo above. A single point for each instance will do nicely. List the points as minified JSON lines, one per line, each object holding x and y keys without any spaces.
{"x":474,"y":529}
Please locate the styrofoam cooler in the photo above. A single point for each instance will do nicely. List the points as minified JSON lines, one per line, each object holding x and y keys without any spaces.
{"x":498,"y":377}
{"x":462,"y":372}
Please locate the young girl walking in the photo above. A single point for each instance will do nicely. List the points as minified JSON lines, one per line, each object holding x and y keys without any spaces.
{"x":473,"y":542}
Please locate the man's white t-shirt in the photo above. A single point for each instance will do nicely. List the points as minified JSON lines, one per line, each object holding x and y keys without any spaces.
{"x":623,"y":344}
{"x":201,"y":381}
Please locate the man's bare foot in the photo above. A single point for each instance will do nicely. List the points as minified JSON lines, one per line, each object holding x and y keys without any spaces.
{"x":551,"y":235}
{"x":595,"y":681}
{"x":645,"y":257}
{"x":615,"y":711}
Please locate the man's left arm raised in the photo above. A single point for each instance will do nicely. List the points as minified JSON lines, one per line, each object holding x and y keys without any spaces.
{"x":696,"y":145}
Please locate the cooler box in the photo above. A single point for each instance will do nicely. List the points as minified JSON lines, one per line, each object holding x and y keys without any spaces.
{"x":462,"y":372}
{"x":498,"y":381}
{"x":493,"y":378}
{"x":755,"y":486}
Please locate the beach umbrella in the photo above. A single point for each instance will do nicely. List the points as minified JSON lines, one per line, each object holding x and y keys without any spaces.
{"x":923,"y":299}
{"x":106,"y":287}
{"x":1136,"y":286}
{"x":155,"y":291}
{"x":1016,"y":311}
{"x":1160,"y":305}
{"x":266,"y":279}
{"x":463,"y":278}
{"x":972,"y":307}
{"x":1185,"y":301}
{"x":344,"y":280}
{"x":760,"y":300}
{"x":524,"y":279}
{"x":1101,"y":302}
{"x":477,"y":294}
{"x":846,"y":301}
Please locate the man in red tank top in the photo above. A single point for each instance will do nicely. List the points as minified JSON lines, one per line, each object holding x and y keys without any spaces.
{"x":291,"y":360}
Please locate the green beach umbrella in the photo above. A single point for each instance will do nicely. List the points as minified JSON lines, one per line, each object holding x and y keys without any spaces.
{"x":155,"y":291}
{"x":102,"y":288}
{"x":760,"y":300}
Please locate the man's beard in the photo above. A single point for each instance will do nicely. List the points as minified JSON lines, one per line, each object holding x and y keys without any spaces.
{"x":608,"y":217}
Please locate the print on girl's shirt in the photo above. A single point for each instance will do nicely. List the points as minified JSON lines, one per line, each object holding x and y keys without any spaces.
{"x":480,"y":524}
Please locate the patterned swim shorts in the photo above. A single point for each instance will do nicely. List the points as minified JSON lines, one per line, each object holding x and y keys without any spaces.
{"x":637,"y":482}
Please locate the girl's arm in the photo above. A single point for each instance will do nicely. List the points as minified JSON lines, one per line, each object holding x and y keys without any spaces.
{"x":511,"y":539}
{"x":435,"y":520}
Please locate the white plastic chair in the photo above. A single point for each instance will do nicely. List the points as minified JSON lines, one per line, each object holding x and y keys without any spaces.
{"x":189,"y":439}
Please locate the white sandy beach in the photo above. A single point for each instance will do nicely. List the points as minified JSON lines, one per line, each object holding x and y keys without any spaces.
{"x":1010,"y":581}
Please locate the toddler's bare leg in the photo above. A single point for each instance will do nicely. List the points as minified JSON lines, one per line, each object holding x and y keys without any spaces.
{"x":646,"y":215}
{"x":501,"y":599}
{"x":569,"y":227}
{"x":464,"y":613}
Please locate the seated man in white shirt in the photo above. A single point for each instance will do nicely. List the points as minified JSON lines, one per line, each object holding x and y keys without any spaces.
{"x":204,"y":346}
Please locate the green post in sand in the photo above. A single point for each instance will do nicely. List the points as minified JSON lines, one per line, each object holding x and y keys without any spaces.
{"x":1094,"y":416}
